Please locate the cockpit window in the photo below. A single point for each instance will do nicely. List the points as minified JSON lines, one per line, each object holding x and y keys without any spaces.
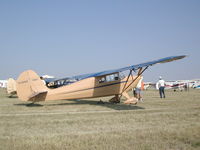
{"x":61,"y":82}
{"x":109,"y":78}
{"x":102,"y":80}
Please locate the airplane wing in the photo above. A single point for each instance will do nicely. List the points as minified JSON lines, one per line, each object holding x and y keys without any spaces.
{"x":133,"y":67}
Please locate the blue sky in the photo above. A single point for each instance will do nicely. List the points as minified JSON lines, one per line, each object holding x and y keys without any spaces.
{"x":65,"y":38}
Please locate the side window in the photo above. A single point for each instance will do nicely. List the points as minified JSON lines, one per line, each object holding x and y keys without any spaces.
{"x":112,"y":77}
{"x":108,"y":78}
{"x":121,"y":76}
{"x":102,"y":80}
{"x":116,"y":76}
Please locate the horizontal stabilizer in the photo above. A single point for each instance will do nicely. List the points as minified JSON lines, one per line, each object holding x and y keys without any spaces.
{"x":36,"y":94}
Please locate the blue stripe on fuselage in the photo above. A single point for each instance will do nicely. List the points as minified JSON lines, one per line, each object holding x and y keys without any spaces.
{"x":95,"y":87}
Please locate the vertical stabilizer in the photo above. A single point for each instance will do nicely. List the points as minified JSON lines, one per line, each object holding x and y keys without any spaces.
{"x":30,"y":87}
{"x":11,"y":87}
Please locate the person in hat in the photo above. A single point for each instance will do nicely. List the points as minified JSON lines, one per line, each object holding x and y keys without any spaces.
{"x":160,"y":85}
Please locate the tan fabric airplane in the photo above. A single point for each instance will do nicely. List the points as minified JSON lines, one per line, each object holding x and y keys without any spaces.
{"x":107,"y":83}
{"x":11,"y":87}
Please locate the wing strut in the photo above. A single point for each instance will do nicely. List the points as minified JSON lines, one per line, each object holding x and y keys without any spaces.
{"x":139,"y":73}
{"x":130,"y":74}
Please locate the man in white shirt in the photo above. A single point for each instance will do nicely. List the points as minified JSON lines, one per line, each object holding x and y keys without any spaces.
{"x":161,"y":86}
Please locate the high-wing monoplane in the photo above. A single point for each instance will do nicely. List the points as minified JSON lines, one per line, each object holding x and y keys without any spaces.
{"x":106,"y":83}
{"x":11,"y":87}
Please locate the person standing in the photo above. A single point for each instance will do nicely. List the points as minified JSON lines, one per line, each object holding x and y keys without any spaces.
{"x":160,"y":85}
{"x":138,"y":88}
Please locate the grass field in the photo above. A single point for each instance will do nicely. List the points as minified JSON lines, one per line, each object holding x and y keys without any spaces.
{"x":156,"y":124}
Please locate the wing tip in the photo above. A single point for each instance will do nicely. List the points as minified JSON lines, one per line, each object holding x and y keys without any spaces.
{"x":180,"y":57}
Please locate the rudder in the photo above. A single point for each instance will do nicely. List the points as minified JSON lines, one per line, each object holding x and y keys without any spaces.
{"x":11,"y":87}
{"x":30,"y":87}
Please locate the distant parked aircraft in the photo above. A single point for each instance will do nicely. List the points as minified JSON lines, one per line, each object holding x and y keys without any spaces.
{"x":197,"y":87}
{"x":11,"y":87}
{"x":195,"y":83}
{"x":182,"y":84}
{"x":3,"y":83}
{"x":175,"y":85}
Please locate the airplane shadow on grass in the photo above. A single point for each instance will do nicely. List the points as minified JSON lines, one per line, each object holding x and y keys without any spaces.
{"x":12,"y":96}
{"x":29,"y":104}
{"x":118,"y":106}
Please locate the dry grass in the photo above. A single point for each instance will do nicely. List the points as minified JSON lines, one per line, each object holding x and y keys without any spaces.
{"x":157,"y":124}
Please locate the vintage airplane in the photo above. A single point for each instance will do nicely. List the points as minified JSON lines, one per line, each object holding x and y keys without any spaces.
{"x":11,"y":87}
{"x":174,"y":85}
{"x":106,"y":83}
{"x":11,"y":84}
{"x":180,"y":85}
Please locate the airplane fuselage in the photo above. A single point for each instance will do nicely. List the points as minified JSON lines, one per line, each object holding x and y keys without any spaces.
{"x":91,"y":88}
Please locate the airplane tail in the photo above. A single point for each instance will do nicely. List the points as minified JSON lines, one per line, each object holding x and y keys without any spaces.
{"x":11,"y":86}
{"x":30,"y":87}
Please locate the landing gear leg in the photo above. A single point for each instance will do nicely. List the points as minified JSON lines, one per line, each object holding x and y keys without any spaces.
{"x":115,"y":99}
{"x":130,"y":100}
{"x":100,"y":102}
